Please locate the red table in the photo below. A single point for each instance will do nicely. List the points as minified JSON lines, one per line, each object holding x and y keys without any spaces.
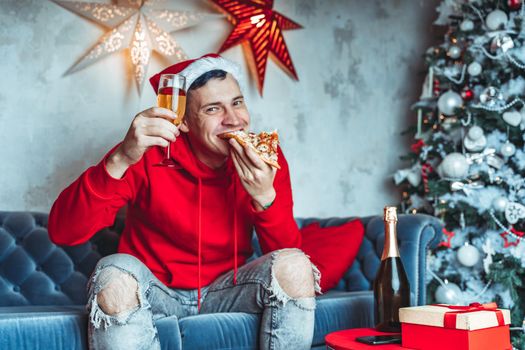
{"x":345,"y":340}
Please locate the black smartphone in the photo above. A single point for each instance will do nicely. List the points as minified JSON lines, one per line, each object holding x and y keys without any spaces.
{"x":380,"y":339}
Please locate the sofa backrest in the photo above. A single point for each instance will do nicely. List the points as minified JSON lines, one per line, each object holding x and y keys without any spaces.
{"x":34,"y":271}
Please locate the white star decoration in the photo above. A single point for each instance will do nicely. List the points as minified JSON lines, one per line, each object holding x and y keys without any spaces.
{"x":133,"y":24}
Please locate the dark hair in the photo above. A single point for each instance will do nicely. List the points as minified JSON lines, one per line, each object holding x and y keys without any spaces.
{"x":203,"y":79}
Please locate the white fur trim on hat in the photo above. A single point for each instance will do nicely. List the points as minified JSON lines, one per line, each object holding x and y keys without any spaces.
{"x":206,"y":64}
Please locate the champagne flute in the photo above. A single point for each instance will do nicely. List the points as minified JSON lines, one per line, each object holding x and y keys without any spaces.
{"x":171,"y":94}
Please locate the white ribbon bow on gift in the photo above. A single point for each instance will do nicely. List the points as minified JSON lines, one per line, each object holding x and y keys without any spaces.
{"x":412,"y":175}
{"x":466,"y":188}
{"x":490,"y":154}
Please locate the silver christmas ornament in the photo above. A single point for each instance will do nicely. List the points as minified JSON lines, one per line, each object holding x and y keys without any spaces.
{"x":507,"y":149}
{"x":468,"y":255}
{"x":454,"y":166}
{"x":451,"y":294}
{"x":449,"y":101}
{"x":467,"y":25}
{"x":501,"y":42}
{"x":491,"y":96}
{"x":474,"y":69}
{"x":496,"y":20}
{"x":499,"y":203}
{"x":454,"y":52}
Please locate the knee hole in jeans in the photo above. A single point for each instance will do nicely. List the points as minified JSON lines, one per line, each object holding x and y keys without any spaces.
{"x":294,"y":273}
{"x":119,"y":294}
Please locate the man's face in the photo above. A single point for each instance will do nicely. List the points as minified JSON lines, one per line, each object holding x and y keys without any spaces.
{"x":213,"y":109}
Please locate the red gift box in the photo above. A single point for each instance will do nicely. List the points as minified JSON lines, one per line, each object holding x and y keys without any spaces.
{"x":438,"y":327}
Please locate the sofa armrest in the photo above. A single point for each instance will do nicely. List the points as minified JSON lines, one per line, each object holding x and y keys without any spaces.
{"x":416,"y":235}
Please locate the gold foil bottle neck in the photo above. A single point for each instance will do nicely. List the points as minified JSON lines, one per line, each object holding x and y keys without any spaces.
{"x":390,"y":214}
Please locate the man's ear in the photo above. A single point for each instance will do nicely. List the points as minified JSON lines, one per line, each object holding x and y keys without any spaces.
{"x":184,"y":125}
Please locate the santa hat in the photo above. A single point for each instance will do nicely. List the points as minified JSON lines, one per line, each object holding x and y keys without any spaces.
{"x":193,"y":69}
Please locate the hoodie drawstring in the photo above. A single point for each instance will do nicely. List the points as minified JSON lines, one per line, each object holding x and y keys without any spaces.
{"x":199,"y":249}
{"x":234,"y":233}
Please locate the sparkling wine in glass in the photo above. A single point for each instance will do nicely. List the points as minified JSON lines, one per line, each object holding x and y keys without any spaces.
{"x":171,"y":94}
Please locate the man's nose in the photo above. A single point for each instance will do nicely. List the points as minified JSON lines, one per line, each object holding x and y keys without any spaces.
{"x":231,"y":118}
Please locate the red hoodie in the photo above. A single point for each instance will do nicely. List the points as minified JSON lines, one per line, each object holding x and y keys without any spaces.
{"x":181,"y":224}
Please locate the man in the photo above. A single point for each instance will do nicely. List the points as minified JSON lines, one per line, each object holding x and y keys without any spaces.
{"x":187,"y":237}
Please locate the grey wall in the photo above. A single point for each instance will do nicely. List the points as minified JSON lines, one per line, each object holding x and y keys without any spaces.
{"x":359,"y":64}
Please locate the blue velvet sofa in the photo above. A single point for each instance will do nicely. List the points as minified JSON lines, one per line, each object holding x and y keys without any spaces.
{"x":42,"y":287}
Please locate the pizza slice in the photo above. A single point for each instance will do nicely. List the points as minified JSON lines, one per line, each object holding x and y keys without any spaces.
{"x":265,"y":144}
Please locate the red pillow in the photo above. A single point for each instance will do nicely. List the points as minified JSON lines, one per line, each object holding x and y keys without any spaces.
{"x":332,"y":249}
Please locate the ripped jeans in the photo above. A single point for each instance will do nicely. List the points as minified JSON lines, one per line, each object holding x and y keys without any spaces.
{"x":286,"y":322}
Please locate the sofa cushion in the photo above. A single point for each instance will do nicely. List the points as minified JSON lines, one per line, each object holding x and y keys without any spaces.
{"x":332,"y":249}
{"x":335,"y":311}
{"x":237,"y":331}
{"x":43,"y":327}
{"x":169,"y":333}
{"x":62,"y":327}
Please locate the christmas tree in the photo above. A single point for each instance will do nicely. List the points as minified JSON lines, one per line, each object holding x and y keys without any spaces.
{"x":467,"y":162}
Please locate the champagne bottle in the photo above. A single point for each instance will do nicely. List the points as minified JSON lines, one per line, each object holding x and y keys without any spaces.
{"x":391,"y":287}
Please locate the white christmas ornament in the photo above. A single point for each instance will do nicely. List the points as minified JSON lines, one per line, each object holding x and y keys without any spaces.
{"x":454,"y":166}
{"x":474,"y":69}
{"x":513,"y":212}
{"x":507,"y":149}
{"x":499,"y":203}
{"x":475,"y":140}
{"x":451,"y":294}
{"x":454,"y":52}
{"x":512,"y":118}
{"x":475,"y":132}
{"x":468,"y":255}
{"x":467,"y":25}
{"x":496,"y":19}
{"x":449,"y":101}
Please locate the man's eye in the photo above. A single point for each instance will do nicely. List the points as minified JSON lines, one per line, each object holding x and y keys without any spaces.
{"x":238,"y":103}
{"x":212,"y":109}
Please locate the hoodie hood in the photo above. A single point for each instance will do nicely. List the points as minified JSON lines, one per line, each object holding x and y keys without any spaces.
{"x":182,"y":153}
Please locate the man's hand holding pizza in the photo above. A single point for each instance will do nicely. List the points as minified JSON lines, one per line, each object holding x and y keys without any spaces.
{"x":256,"y":175}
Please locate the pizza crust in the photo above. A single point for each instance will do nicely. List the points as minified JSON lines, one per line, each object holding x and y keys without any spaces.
{"x":265,"y":144}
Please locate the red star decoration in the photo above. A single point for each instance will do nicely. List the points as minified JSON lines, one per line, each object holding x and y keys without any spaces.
{"x":449,"y":235}
{"x":256,"y":23}
{"x":505,"y":235}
